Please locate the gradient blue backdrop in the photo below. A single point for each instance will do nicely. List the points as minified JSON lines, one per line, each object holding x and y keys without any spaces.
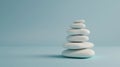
{"x":44,"y":22}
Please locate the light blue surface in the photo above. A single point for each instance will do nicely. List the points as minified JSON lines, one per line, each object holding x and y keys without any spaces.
{"x":39,"y":22}
{"x":33,"y":31}
{"x":50,"y":57}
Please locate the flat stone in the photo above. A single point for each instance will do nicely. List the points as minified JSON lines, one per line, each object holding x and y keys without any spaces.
{"x":80,"y":21}
{"x":78,"y":25}
{"x":78,"y":45}
{"x":78,"y":31}
{"x":83,"y":53}
{"x":78,"y":38}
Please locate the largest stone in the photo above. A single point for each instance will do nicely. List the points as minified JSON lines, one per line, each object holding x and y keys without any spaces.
{"x":83,"y":53}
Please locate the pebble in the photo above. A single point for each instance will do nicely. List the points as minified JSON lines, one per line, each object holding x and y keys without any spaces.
{"x":78,"y":45}
{"x":85,"y":53}
{"x":78,"y":38}
{"x":78,"y":31}
{"x":80,"y":21}
{"x":78,"y":25}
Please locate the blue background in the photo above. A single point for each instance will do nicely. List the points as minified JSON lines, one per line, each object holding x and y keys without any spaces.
{"x":45,"y":22}
{"x":32,"y":32}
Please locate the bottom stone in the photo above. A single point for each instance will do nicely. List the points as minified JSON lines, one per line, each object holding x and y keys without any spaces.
{"x":78,"y":53}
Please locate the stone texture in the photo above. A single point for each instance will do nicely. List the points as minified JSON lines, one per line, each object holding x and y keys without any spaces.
{"x":78,"y":31}
{"x":78,"y":26}
{"x":83,"y":53}
{"x":78,"y":45}
{"x":78,"y":38}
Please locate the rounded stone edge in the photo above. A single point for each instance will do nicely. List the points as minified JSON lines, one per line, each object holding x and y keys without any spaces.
{"x":87,"y":45}
{"x":70,"y":56}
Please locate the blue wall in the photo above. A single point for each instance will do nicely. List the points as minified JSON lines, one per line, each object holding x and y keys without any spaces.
{"x":44,"y":22}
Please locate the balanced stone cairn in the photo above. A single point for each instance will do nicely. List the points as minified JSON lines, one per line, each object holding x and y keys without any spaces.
{"x":77,"y":46}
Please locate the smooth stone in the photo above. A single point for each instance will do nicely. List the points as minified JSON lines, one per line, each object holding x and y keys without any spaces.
{"x":78,"y":31}
{"x":78,"y":45}
{"x":83,"y":53}
{"x":78,"y":38}
{"x":80,"y":21}
{"x":78,"y":25}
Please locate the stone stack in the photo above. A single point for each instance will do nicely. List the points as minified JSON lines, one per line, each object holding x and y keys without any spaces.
{"x":77,"y":45}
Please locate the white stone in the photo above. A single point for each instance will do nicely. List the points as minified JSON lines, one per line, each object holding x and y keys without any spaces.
{"x":78,"y":38}
{"x":78,"y":31}
{"x":78,"y":45}
{"x":83,"y":53}
{"x":78,"y":25}
{"x":80,"y":21}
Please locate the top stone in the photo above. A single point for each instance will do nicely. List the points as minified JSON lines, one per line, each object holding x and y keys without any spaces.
{"x":80,"y":21}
